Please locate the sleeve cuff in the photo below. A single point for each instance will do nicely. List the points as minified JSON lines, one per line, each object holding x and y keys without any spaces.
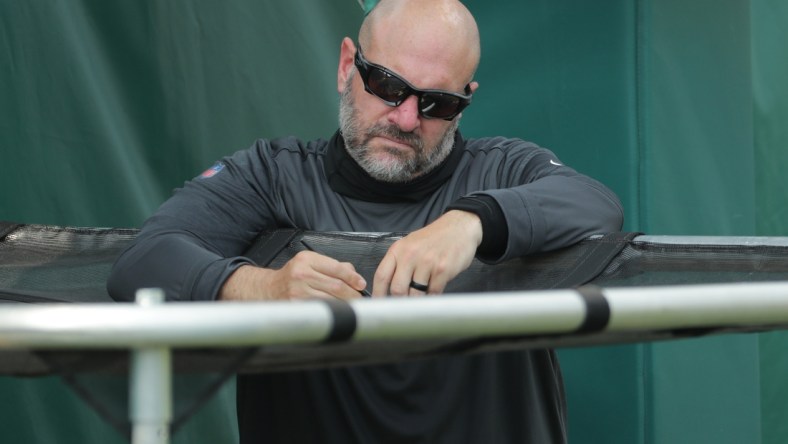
{"x":495,"y":231}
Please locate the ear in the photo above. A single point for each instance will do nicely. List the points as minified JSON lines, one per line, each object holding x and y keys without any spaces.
{"x":473,"y":86}
{"x":347,"y":52}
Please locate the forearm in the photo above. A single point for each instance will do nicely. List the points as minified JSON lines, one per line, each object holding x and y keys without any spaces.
{"x":246,"y":283}
{"x":174,"y":262}
{"x":555,"y":212}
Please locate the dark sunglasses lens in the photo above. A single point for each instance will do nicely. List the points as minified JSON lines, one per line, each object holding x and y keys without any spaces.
{"x":439,"y":105}
{"x":387,"y":87}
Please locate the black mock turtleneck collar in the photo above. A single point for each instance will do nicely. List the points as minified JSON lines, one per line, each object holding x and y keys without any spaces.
{"x":346,"y":177}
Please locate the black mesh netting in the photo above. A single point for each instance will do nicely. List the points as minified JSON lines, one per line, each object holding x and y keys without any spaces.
{"x":49,"y":264}
{"x":565,"y":268}
{"x":643,"y":263}
{"x":66,"y":265}
{"x":58,"y":264}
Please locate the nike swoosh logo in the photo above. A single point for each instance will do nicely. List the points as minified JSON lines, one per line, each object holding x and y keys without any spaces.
{"x":555,"y":163}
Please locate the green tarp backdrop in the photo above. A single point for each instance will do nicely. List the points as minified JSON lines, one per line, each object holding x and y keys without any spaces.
{"x":680,"y":106}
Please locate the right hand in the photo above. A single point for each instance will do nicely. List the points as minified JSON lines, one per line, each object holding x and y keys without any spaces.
{"x":306,"y":275}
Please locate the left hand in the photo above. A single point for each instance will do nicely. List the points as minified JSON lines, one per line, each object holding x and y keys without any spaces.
{"x":433,"y":255}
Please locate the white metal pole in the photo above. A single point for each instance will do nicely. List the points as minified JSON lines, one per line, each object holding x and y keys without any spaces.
{"x":150,"y":388}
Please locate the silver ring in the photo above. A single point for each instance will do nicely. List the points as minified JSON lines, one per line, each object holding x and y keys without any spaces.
{"x":417,"y":286}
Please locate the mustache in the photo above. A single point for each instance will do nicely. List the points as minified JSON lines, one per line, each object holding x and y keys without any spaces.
{"x":393,"y":132}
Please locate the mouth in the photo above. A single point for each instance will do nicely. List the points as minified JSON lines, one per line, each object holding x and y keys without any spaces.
{"x":395,"y":143}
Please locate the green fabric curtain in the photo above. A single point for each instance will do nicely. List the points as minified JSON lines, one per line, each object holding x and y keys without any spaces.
{"x":680,"y":107}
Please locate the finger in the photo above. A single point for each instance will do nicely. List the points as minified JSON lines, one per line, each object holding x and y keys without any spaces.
{"x":323,"y":286}
{"x":318,"y":274}
{"x":437,"y":284}
{"x":338,"y":279}
{"x":344,"y":271}
{"x":400,"y":281}
{"x":383,"y":275}
{"x":420,"y":278}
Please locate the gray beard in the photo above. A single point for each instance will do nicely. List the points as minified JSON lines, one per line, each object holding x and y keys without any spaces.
{"x":405,"y":168}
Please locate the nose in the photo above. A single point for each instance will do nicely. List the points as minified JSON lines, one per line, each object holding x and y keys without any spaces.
{"x":406,"y":115}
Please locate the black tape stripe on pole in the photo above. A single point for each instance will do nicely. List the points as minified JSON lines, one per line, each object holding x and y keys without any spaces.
{"x":344,"y":321}
{"x":597,"y":309}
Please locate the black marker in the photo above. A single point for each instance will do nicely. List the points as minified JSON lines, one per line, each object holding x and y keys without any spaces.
{"x":363,"y":292}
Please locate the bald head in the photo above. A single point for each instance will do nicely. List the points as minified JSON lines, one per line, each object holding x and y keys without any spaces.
{"x":438,"y":30}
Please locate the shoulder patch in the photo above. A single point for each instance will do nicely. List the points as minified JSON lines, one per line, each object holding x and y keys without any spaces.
{"x":212,"y":171}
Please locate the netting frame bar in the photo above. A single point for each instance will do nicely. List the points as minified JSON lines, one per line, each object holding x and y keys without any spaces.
{"x":150,"y":330}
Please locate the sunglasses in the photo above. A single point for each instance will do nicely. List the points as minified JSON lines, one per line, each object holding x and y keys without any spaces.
{"x":393,"y":90}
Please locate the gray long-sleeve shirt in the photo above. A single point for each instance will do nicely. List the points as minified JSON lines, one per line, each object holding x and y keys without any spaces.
{"x":198,"y":237}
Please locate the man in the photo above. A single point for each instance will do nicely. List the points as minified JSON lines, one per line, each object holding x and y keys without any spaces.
{"x":398,"y":163}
